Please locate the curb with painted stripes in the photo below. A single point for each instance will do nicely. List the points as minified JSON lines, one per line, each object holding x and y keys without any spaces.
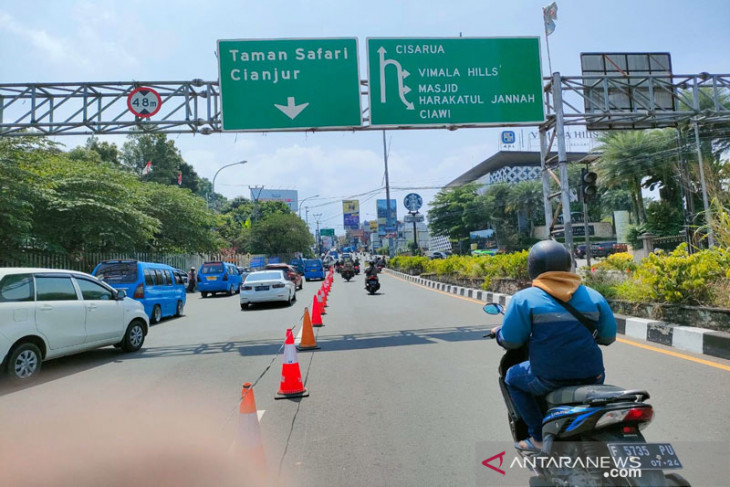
{"x":689,"y":338}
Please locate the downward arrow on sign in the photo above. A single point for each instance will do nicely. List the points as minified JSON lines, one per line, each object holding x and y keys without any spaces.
{"x":291,"y":109}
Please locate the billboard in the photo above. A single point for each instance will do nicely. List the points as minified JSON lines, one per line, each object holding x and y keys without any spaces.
{"x":387,"y":224}
{"x":288,"y":196}
{"x":351,"y":214}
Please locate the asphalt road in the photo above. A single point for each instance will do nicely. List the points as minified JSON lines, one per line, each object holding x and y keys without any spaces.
{"x":402,"y":392}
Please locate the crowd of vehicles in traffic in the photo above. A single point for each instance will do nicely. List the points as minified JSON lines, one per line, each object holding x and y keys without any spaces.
{"x":50,"y":313}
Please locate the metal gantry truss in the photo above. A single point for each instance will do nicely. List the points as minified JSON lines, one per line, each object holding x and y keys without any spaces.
{"x":609,"y":102}
{"x":194,"y":106}
{"x":606,"y":102}
{"x":101,"y":108}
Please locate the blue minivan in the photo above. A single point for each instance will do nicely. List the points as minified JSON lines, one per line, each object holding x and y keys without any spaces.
{"x":313,"y":269}
{"x":215,"y":277}
{"x":159,"y":287}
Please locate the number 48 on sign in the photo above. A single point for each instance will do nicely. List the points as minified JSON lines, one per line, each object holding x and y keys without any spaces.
{"x":144,"y":102}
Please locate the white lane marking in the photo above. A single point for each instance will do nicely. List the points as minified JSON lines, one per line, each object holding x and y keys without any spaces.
{"x":299,"y":335}
{"x":260,"y":413}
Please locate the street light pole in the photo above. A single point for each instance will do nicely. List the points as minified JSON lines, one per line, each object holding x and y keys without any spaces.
{"x":317,"y":216}
{"x":216,"y":175}
{"x":301,"y":202}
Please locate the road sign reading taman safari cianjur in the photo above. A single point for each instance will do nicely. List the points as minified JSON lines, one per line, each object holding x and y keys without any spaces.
{"x":282,"y":84}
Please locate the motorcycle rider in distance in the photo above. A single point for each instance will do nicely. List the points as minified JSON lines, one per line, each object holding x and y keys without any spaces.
{"x":563,"y":352}
{"x":372,"y":270}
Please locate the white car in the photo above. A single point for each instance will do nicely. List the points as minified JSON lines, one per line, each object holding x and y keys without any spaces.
{"x":50,"y":313}
{"x":265,"y":286}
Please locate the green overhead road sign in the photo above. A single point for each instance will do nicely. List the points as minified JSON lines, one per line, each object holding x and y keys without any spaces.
{"x":286,"y":84}
{"x":454,"y":81}
{"x":327,"y":232}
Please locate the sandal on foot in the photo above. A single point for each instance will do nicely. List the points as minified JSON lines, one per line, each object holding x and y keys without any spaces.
{"x":530,"y":445}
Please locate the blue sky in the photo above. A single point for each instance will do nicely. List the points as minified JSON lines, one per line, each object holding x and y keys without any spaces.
{"x":69,"y":41}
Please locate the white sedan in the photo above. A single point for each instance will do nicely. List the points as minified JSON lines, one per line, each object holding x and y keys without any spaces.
{"x":265,"y":286}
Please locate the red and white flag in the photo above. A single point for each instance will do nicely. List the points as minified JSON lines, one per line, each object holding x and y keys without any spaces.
{"x":179,"y":178}
{"x":550,"y":14}
{"x":147,"y":169}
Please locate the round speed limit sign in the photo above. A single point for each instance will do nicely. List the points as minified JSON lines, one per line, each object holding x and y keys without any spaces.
{"x":144,"y":102}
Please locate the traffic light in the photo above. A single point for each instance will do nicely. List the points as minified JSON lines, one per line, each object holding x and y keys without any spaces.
{"x":588,"y":188}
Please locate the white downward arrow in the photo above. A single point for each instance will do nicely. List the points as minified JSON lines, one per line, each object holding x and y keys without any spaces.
{"x":291,"y":109}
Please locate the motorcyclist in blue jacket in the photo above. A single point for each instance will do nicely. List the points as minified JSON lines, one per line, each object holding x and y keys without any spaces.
{"x":563,"y":352}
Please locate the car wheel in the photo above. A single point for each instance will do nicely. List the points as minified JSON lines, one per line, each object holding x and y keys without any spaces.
{"x":306,"y":279}
{"x":24,"y":362}
{"x":180,"y":307}
{"x":230,"y":290}
{"x":133,"y":337}
{"x":244,"y":306}
{"x":204,"y":294}
{"x":156,"y":314}
{"x":301,"y":285}
{"x":291,"y":301}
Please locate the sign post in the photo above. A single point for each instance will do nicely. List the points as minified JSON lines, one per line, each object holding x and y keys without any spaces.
{"x":440,"y":82}
{"x":282,"y":84}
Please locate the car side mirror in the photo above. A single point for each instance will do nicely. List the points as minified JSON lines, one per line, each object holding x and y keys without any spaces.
{"x":493,"y":309}
{"x":121,"y":294}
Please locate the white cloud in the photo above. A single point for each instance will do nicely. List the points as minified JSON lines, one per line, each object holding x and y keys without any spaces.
{"x":55,"y":49}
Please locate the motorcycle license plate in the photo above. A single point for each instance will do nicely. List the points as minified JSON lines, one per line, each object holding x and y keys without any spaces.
{"x":652,"y":456}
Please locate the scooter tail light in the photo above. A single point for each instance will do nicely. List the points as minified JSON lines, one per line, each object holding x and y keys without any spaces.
{"x":634,"y":415}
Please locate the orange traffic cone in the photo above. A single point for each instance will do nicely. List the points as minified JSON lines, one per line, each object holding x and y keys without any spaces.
{"x":316,"y":314}
{"x":248,"y":442}
{"x":291,"y":376}
{"x":320,"y":302}
{"x":308,"y":341}
{"x":324,"y":300}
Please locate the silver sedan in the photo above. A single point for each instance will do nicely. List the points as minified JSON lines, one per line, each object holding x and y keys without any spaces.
{"x":266,"y":286}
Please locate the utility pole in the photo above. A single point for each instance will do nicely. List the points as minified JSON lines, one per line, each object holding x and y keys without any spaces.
{"x":391,"y":250}
{"x":703,"y":183}
{"x":255,"y":193}
{"x":562,"y":161}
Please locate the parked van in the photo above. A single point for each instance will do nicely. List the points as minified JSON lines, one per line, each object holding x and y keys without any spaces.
{"x":158,"y":287}
{"x":313,"y":269}
{"x":216,"y":277}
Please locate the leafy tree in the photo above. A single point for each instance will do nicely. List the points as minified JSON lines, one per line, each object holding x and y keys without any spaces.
{"x":108,"y":151}
{"x":167,"y":161}
{"x":457,"y":211}
{"x":17,"y":191}
{"x":85,"y":206}
{"x":185,"y":225}
{"x":280,"y":233}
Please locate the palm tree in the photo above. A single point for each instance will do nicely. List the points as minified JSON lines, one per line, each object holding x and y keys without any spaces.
{"x":525,"y":197}
{"x":634,"y":160}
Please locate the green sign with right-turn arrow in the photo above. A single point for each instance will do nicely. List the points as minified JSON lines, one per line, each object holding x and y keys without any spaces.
{"x":283,"y":84}
{"x":441,"y":82}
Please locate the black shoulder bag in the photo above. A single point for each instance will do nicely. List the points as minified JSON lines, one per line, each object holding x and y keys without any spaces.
{"x":591,"y":325}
